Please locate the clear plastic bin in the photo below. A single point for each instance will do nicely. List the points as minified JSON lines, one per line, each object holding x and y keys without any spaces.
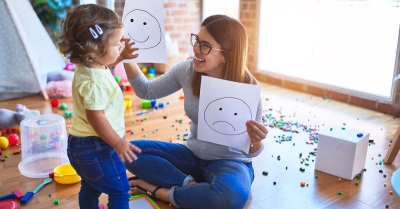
{"x":43,"y":145}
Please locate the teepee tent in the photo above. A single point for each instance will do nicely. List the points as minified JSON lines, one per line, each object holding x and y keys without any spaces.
{"x":27,"y":53}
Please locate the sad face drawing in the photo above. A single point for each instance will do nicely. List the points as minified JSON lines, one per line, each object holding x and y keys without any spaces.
{"x":227,"y":115}
{"x":143,"y":28}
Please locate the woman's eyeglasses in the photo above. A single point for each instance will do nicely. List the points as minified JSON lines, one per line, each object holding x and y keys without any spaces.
{"x":205,"y":48}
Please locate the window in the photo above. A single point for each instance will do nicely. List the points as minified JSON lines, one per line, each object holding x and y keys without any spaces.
{"x":107,"y":3}
{"x":88,"y":2}
{"x":110,"y":4}
{"x":346,"y":44}
{"x":224,"y":7}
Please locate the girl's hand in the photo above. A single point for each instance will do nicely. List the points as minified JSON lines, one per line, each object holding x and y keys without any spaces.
{"x":256,"y":131}
{"x":128,"y":50}
{"x":124,"y":150}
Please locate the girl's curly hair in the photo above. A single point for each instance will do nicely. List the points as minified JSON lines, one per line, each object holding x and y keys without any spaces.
{"x":77,"y":42}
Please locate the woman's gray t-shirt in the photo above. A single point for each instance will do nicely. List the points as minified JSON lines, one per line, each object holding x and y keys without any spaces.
{"x":173,"y":80}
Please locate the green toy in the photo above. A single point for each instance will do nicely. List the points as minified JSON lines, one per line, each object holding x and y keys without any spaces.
{"x":63,"y":106}
{"x":117,"y":79}
{"x":68,"y":114}
{"x":146,"y":103}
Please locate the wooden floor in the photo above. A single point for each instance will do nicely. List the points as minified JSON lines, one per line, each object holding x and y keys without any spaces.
{"x":287,"y":193}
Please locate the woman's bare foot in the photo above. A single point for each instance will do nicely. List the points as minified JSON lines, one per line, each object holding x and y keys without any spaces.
{"x":144,"y":184}
{"x":161,"y":193}
{"x":192,"y":182}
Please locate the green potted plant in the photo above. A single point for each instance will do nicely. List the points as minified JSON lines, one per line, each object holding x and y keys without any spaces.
{"x":51,"y":13}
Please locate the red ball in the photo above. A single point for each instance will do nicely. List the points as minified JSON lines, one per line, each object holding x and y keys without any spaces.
{"x":13,"y":139}
{"x":54,"y":103}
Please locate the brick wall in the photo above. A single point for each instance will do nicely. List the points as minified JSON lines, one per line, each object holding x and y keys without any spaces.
{"x":249,"y":16}
{"x":181,"y":18}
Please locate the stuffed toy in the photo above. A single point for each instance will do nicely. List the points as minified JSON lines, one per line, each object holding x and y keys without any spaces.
{"x":60,"y":75}
{"x":59,"y":89}
{"x":10,"y":119}
{"x":60,"y":82}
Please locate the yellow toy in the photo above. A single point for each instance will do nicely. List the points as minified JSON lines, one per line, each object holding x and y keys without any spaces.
{"x":127,"y":104}
{"x":66,"y":174}
{"x":3,"y":142}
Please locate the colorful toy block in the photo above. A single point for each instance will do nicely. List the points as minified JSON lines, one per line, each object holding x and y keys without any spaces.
{"x":68,"y":114}
{"x":63,"y":106}
{"x":18,"y":194}
{"x":127,"y":104}
{"x":54,"y":103}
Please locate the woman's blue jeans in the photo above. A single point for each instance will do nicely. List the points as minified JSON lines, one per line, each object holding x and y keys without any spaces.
{"x":220,"y":183}
{"x":101,"y":171}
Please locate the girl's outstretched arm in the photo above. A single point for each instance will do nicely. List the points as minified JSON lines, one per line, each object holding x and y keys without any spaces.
{"x":131,"y":69}
{"x":105,"y":131}
{"x":126,"y":53}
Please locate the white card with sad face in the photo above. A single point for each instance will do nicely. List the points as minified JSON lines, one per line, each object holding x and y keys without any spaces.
{"x":144,"y":24}
{"x":224,"y":109}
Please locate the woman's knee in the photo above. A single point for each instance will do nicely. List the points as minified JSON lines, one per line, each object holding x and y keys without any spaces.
{"x":226,"y":203}
{"x":232,"y":187}
{"x":230,"y":198}
{"x":238,"y":201}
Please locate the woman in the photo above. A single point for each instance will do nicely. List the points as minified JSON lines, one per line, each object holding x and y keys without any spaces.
{"x":198,"y":174}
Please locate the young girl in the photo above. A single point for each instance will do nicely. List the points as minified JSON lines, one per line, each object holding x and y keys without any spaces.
{"x":91,"y":38}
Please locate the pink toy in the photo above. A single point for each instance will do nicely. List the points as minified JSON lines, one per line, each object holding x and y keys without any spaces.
{"x":119,"y":70}
{"x":18,"y":194}
{"x":69,"y":66}
{"x":59,"y":89}
{"x":13,"y":139}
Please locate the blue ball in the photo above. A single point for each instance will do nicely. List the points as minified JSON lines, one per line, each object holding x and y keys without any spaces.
{"x":153,"y":103}
{"x":152,"y":70}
